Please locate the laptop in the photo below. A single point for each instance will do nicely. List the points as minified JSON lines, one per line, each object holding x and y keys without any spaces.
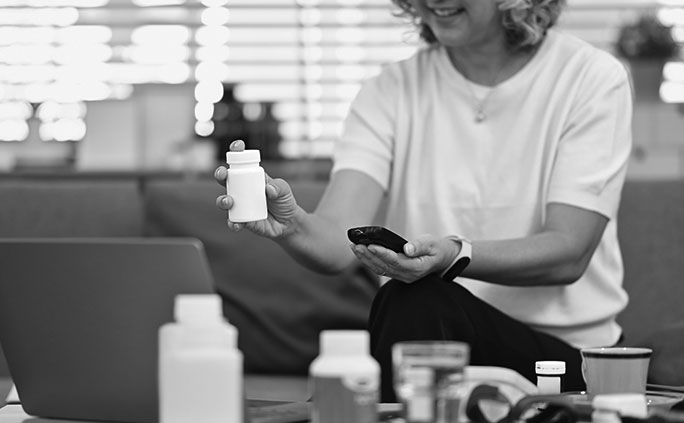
{"x":79,"y":320}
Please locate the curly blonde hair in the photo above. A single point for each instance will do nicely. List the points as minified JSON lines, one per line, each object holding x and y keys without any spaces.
{"x":524,"y":21}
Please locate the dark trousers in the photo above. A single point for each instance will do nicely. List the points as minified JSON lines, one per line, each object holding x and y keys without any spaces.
{"x":433,"y":309}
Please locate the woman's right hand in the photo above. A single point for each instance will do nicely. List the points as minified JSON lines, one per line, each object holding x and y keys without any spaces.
{"x":282,"y":206}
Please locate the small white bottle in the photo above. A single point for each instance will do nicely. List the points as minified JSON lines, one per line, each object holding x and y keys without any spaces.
{"x":549,"y":376}
{"x":246,"y":183}
{"x":200,"y":367}
{"x":345,"y":379}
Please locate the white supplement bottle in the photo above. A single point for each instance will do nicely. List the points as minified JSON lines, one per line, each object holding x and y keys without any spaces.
{"x":345,"y":379}
{"x":200,"y":367}
{"x":246,"y":183}
{"x":549,"y":376}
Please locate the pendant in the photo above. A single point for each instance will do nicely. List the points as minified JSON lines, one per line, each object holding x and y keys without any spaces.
{"x":480,"y":116}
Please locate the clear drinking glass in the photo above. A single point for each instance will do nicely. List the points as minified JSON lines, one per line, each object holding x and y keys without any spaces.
{"x":427,"y":376}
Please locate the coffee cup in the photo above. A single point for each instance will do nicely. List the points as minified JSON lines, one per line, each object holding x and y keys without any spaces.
{"x":615,"y":370}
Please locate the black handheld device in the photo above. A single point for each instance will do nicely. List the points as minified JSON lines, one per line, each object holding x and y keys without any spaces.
{"x":377,"y":235}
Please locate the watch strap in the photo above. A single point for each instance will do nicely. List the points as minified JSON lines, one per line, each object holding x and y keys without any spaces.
{"x":462,"y":259}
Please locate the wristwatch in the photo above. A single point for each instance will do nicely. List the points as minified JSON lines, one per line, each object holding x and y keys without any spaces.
{"x":462,"y":258}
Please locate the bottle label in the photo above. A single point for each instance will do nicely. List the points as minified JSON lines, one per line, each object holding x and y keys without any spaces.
{"x":345,"y":399}
{"x":549,"y":384}
{"x":248,"y":189}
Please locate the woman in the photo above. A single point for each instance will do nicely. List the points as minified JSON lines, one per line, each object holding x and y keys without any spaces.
{"x":502,"y":140}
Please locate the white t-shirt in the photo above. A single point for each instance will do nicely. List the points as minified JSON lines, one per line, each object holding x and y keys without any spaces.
{"x":557,"y":131}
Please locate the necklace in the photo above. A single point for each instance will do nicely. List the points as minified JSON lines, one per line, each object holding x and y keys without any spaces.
{"x":480,"y":113}
{"x":479,"y":107}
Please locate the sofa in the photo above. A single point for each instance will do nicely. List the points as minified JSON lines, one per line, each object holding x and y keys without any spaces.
{"x":278,"y":306}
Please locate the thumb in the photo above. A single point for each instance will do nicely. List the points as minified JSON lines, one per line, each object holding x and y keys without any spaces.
{"x":421,"y":246}
{"x":414,"y":249}
{"x":277,"y":188}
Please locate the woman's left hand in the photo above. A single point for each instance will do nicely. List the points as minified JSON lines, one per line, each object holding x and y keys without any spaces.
{"x":422,"y":256}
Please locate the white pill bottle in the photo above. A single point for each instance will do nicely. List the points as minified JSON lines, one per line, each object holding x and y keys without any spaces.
{"x":549,"y":376}
{"x":200,"y":367}
{"x":246,"y":183}
{"x":345,"y":379}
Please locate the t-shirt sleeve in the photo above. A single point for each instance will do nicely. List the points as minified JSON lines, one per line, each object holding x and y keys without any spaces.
{"x":367,"y":138}
{"x":593,"y":152}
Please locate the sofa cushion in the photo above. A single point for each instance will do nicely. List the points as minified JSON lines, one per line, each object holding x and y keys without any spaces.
{"x":278,"y":306}
{"x":651,"y":233}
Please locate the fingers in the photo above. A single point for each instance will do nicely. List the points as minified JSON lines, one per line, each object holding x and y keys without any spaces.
{"x":380,"y":260}
{"x":237,"y":145}
{"x":235,"y":227}
{"x":224,"y":202}
{"x":221,"y":175}
{"x":221,"y":172}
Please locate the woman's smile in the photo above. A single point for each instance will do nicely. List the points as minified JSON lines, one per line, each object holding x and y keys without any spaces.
{"x":446,"y":12}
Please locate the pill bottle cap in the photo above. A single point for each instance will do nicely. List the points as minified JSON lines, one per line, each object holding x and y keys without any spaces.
{"x":243,"y":157}
{"x":344,"y":342}
{"x":198,"y":308}
{"x":550,"y":367}
{"x":632,"y":405}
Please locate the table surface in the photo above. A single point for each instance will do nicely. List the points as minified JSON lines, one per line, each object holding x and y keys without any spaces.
{"x":278,"y":390}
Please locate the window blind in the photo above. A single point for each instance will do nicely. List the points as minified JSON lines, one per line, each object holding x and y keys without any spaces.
{"x":306,"y":58}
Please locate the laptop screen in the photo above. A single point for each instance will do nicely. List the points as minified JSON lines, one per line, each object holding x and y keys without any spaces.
{"x":79,"y":320}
